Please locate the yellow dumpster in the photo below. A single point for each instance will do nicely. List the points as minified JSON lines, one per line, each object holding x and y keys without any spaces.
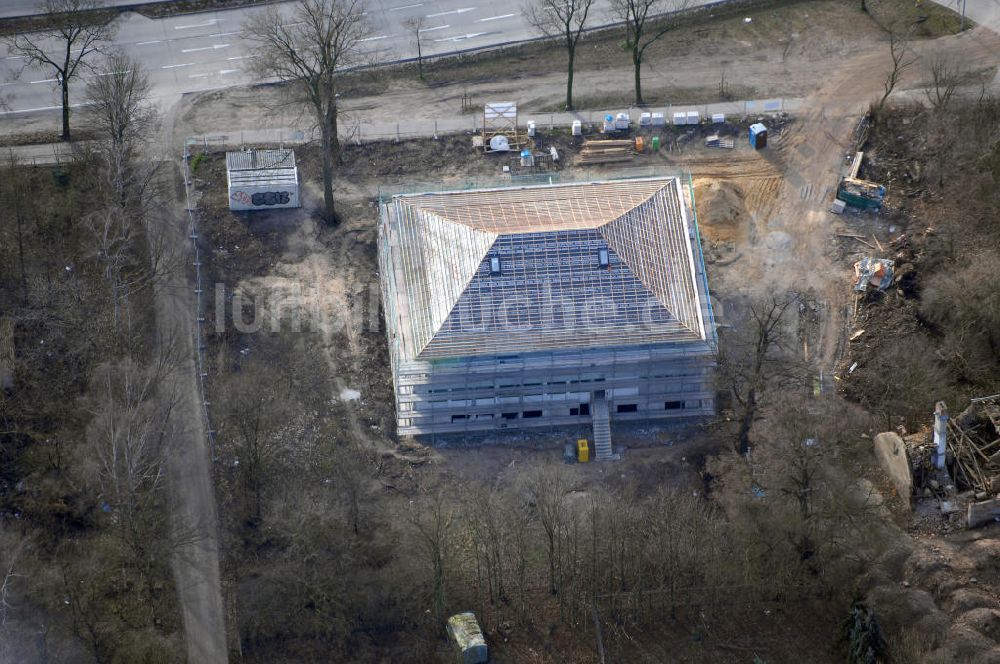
{"x":582,"y":451}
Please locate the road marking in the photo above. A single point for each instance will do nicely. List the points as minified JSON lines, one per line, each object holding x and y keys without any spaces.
{"x":198,"y":75}
{"x":204,"y":48}
{"x":223,"y":72}
{"x":461,"y":37}
{"x":396,"y":9}
{"x":495,"y":18}
{"x":40,"y":108}
{"x":239,"y":57}
{"x":453,"y":11}
{"x":157,"y":41}
{"x":14,"y":57}
{"x":440,"y":27}
{"x":375,"y":38}
{"x":46,"y":80}
{"x":207,"y":23}
{"x":224,"y":34}
{"x":186,"y":64}
{"x":288,"y":25}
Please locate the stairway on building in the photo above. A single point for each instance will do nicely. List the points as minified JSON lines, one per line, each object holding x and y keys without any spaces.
{"x":602,"y":429}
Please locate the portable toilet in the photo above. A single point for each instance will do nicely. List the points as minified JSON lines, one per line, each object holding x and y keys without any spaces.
{"x":693,"y":118}
{"x":680,"y":118}
{"x":577,"y":128}
{"x":657,"y":120}
{"x":758,"y":136}
{"x":531,"y":128}
{"x":718,"y":118}
{"x":622,"y":121}
{"x":645,"y":119}
{"x":609,"y":123}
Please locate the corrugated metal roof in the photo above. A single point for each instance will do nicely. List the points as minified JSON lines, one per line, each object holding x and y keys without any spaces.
{"x":252,"y":160}
{"x":551,"y":291}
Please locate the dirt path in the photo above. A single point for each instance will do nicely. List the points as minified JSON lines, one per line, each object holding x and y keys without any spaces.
{"x":194,"y":519}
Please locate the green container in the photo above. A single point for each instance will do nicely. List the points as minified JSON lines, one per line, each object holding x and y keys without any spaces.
{"x":656,"y":143}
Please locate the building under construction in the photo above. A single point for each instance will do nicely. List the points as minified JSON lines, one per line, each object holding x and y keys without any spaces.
{"x":546,"y":305}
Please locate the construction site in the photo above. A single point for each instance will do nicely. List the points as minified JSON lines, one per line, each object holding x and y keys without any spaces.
{"x":713,"y":377}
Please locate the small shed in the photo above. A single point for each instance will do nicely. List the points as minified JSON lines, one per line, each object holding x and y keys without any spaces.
{"x":464,"y":631}
{"x":262,"y":179}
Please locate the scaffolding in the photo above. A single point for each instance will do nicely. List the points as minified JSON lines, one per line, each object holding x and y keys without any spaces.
{"x":511,"y":304}
{"x":500,"y":119}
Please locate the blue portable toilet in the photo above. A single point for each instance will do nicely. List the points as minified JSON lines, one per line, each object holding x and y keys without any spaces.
{"x":758,"y":136}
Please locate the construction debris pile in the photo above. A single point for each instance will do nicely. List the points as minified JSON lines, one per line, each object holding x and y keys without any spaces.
{"x":970,"y":476}
{"x":875,"y":272}
{"x":974,"y":442}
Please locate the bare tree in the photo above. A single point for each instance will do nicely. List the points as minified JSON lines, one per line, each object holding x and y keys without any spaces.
{"x":754,"y":360}
{"x":70,"y":36}
{"x":433,"y":522}
{"x":640,"y":34}
{"x":546,"y":487}
{"x":565,"y":20}
{"x":946,"y":73}
{"x":902,"y":59}
{"x":252,"y":419}
{"x":310,"y":49}
{"x":14,"y":195}
{"x":416,"y":26}
{"x":11,"y":576}
{"x":119,"y":109}
{"x":132,"y":408}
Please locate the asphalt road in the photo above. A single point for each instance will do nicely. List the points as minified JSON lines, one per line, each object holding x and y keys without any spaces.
{"x":204,"y":51}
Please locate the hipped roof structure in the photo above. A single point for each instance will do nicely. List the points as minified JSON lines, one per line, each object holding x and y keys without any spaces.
{"x":546,"y":267}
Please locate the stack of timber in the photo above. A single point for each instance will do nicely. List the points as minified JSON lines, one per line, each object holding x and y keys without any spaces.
{"x":606,"y":152}
{"x":715,"y":141}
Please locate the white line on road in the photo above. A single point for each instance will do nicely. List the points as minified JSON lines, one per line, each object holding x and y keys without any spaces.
{"x":375,"y":38}
{"x":223,"y":72}
{"x":495,"y":18}
{"x":224,"y":34}
{"x":198,"y":75}
{"x":40,"y":108}
{"x":14,"y":57}
{"x":157,"y":41}
{"x":396,"y":9}
{"x":440,"y":27}
{"x":461,"y":37}
{"x":204,"y":48}
{"x":46,"y":80}
{"x":453,"y":11}
{"x":239,"y":57}
{"x":211,"y":21}
{"x":186,"y":64}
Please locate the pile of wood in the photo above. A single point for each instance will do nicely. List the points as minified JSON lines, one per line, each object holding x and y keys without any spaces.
{"x":606,"y":152}
{"x":974,"y":440}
